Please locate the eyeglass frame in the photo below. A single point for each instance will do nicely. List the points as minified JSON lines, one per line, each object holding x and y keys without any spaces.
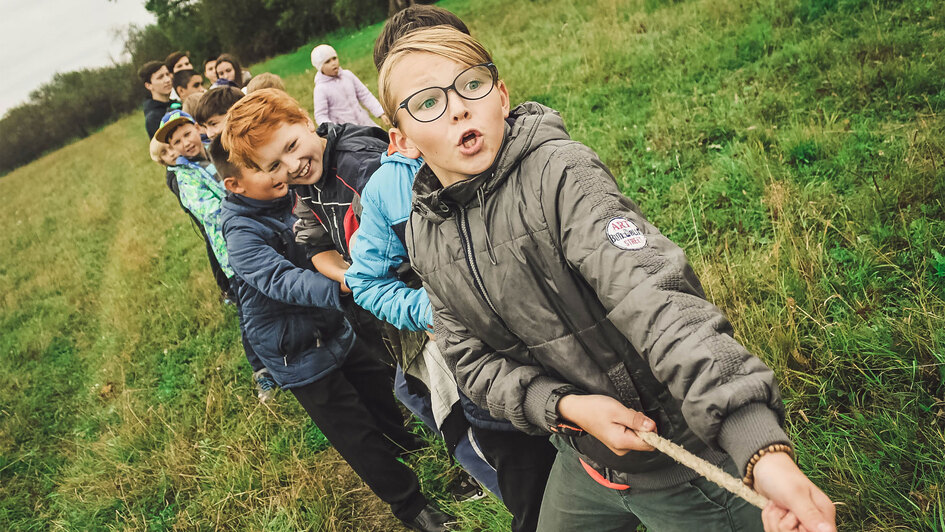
{"x":446,"y":90}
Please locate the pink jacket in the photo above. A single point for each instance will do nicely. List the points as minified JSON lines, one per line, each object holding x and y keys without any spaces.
{"x":337,"y":99}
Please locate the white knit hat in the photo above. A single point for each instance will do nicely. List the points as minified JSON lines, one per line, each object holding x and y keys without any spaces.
{"x":321,"y":54}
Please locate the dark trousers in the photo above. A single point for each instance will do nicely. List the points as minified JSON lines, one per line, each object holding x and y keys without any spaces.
{"x":354,"y":408}
{"x":523,"y":463}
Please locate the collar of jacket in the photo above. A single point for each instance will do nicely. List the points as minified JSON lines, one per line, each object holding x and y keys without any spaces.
{"x":331,"y":133}
{"x":322,"y":78}
{"x":272,"y":207}
{"x":529,"y":125}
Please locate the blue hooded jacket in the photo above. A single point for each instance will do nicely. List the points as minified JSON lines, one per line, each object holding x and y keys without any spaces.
{"x":379,"y":249}
{"x":292,"y":314}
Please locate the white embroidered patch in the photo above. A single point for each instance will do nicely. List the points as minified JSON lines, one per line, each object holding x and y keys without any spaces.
{"x":624,"y":234}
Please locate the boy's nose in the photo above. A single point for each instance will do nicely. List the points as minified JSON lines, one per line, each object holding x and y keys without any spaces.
{"x":456,"y":106}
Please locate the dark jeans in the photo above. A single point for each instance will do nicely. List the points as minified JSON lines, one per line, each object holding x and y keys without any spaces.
{"x":523,"y":463}
{"x":574,"y":501}
{"x":354,"y":408}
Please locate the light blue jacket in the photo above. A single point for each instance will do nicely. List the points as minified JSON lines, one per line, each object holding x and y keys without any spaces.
{"x":378,"y":250}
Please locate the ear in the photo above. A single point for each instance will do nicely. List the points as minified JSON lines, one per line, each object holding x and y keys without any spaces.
{"x":504,"y":95}
{"x":403,"y":144}
{"x":147,"y":85}
{"x":233,"y":185}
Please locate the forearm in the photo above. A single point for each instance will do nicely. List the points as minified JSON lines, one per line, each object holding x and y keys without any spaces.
{"x":332,"y":265}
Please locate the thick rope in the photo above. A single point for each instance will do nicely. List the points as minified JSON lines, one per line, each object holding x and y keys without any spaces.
{"x":704,"y":468}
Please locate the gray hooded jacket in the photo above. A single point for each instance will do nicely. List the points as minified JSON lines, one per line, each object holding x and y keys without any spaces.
{"x":545,"y":278}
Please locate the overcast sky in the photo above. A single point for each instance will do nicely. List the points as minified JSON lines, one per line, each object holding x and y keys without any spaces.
{"x":41,"y":37}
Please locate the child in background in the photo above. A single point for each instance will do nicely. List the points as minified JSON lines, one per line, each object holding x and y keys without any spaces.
{"x":156,"y":78}
{"x":228,"y":68}
{"x":164,"y":155}
{"x":210,"y":70}
{"x":294,"y":318}
{"x":211,"y":111}
{"x":266,"y":80}
{"x":190,"y":107}
{"x":201,"y":194}
{"x":177,"y":61}
{"x":339,"y":94}
{"x":562,"y":309}
{"x":187,"y":82}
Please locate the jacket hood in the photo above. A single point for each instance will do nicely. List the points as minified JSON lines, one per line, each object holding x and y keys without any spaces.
{"x":529,"y":126}
{"x":397,"y":157}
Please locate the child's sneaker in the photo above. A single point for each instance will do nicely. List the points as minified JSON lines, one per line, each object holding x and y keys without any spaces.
{"x":265,"y":386}
{"x":466,"y":488}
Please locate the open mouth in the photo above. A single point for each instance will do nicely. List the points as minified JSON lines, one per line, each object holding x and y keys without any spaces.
{"x":471,"y":142}
{"x":304,"y":171}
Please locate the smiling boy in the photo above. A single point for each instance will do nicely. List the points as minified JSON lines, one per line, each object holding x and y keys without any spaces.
{"x":563,"y":310}
{"x":327,"y":168}
{"x":295,"y":320}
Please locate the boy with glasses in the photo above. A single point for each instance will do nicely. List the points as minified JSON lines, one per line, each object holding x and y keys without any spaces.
{"x":512,"y":464}
{"x":563,"y":310}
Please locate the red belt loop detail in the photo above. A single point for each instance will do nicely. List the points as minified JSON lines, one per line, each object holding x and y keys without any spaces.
{"x":600,"y":478}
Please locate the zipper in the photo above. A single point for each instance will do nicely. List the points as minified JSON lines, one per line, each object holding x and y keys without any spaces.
{"x":465,"y":237}
{"x":332,"y":221}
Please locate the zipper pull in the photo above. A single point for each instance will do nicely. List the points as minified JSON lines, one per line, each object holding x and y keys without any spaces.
{"x":285,"y":361}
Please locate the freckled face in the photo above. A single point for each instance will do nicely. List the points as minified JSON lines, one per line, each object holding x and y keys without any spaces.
{"x":293,"y":153}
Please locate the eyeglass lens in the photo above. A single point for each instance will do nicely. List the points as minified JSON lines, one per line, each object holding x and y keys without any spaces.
{"x":471,"y":84}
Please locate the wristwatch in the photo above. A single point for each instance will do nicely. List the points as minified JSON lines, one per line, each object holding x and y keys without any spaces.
{"x":558,"y":424}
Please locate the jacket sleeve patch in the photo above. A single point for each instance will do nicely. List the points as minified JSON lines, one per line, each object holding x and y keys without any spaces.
{"x":624,"y":234}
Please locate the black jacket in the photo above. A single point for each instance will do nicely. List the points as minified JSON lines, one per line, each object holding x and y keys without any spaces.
{"x":325,"y":209}
{"x":154,"y":111}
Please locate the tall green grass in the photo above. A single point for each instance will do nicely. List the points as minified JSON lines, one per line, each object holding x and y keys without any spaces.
{"x":795,"y":149}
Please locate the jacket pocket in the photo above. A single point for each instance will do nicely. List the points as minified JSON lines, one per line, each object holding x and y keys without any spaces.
{"x":298,"y":335}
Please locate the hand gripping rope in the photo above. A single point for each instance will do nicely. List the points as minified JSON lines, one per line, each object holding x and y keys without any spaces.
{"x":704,"y":468}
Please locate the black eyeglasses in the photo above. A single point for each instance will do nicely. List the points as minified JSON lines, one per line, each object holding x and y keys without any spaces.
{"x":474,"y":83}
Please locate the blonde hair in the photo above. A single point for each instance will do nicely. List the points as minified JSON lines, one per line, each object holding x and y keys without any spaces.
{"x":266,"y":80}
{"x":444,"y":41}
{"x":191,"y":102}
{"x":157,"y":149}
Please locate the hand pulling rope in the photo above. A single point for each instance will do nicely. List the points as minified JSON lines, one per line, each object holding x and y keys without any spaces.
{"x":704,"y":468}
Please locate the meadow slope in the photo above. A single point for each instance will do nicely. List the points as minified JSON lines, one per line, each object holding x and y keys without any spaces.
{"x":795,"y":149}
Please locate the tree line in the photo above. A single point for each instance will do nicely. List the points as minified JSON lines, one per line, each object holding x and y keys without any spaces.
{"x":75,"y":104}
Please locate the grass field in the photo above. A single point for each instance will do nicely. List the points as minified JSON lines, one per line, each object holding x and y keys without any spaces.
{"x":794,"y":148}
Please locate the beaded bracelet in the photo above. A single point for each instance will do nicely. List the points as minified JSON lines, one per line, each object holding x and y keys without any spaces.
{"x":749,"y":479}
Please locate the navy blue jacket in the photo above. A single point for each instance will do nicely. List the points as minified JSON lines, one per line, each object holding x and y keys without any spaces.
{"x":291,"y":313}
